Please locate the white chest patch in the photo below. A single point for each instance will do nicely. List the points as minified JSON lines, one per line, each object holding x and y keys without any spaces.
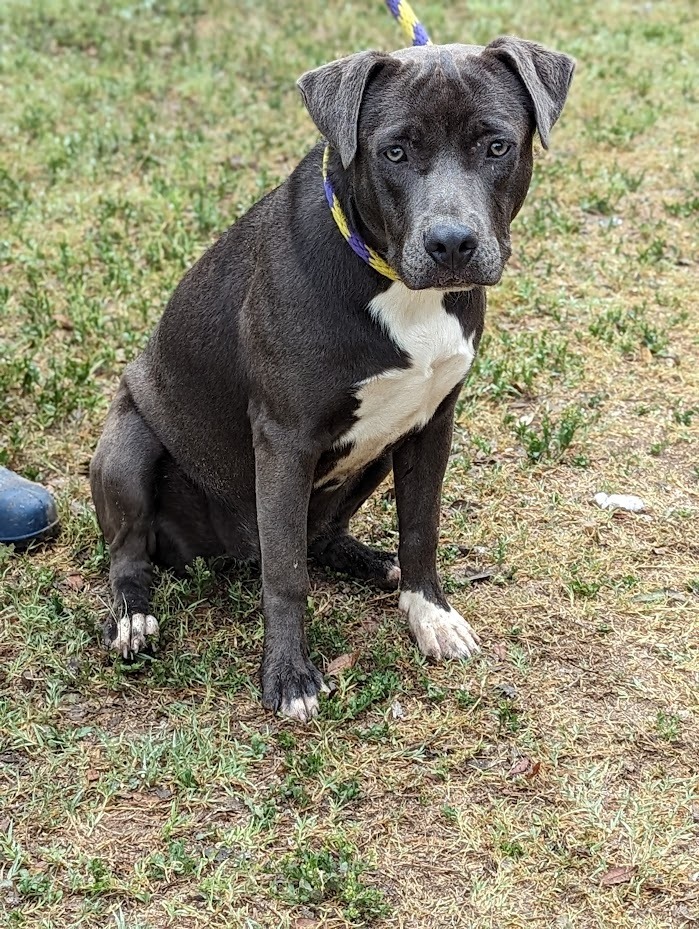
{"x":402,"y":399}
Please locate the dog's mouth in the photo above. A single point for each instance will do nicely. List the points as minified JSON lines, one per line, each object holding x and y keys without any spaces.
{"x":449,"y":282}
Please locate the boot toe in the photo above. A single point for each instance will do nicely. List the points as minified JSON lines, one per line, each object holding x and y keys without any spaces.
{"x":27,"y":510}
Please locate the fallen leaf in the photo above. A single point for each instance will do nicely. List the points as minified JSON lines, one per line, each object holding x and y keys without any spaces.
{"x":342,"y":663}
{"x":534,"y":770}
{"x":655,"y":596}
{"x":397,"y":710}
{"x":622,"y":874}
{"x":75,"y":581}
{"x":78,"y":712}
{"x":472,"y":549}
{"x":655,"y":887}
{"x":463,"y":503}
{"x":63,"y":322}
{"x":652,"y":597}
{"x":482,"y":763}
{"x":521,"y":767}
{"x":5,"y":824}
{"x":467,"y":574}
{"x":500,"y":651}
{"x":92,"y":775}
{"x":485,"y":575}
{"x":303,"y":923}
{"x":507,"y":690}
{"x":371,"y":624}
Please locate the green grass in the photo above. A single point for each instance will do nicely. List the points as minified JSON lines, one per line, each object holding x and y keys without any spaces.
{"x":160,"y":794}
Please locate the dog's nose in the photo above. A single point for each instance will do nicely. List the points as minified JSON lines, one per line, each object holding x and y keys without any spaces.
{"x":451,"y":244}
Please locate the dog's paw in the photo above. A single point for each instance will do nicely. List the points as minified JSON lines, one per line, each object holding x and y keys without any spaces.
{"x":392,"y":575}
{"x":439,"y":633}
{"x":129,"y":635}
{"x":292,"y":688}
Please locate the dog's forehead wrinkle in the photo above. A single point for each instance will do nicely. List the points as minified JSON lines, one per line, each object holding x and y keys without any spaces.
{"x":445,"y":95}
{"x":454,"y":68}
{"x":429,"y":54}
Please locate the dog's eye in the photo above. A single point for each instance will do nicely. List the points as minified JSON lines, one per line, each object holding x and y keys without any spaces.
{"x":396,"y":154}
{"x":499,"y":148}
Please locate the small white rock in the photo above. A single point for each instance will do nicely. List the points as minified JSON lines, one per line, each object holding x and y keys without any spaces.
{"x":609,"y":222}
{"x":627,"y":502}
{"x":397,"y":710}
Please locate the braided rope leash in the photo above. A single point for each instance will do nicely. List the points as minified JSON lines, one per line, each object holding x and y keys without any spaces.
{"x":408,"y":21}
{"x":417,"y":34}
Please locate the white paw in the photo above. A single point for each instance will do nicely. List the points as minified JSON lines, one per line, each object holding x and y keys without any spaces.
{"x":304,"y":708}
{"x":132,"y":633}
{"x":439,"y":633}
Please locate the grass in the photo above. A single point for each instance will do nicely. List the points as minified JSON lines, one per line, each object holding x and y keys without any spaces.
{"x":494,"y":793}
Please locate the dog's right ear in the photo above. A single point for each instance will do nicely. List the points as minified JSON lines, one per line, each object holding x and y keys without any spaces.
{"x":333,"y":94}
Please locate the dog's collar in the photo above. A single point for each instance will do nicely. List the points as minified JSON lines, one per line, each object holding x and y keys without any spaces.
{"x":350,"y":235}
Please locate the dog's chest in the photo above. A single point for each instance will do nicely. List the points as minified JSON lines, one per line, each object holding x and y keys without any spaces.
{"x":399,"y":400}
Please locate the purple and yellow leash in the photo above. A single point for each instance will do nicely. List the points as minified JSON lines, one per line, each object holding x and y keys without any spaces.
{"x":409,"y":23}
{"x":417,"y":35}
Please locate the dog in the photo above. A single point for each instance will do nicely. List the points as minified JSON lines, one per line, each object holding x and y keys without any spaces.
{"x":287,"y":376}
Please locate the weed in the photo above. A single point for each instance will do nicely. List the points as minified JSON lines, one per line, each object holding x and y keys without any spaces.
{"x":367,"y":690}
{"x":511,"y":849}
{"x":176,"y":861}
{"x":668,"y":726}
{"x":509,"y":719}
{"x":332,"y":873}
{"x":549,"y":440}
{"x":630,"y":329}
{"x":583,"y":587}
{"x":607,"y":190}
{"x":683,"y":415}
{"x":686,"y":208}
{"x":513,"y":365}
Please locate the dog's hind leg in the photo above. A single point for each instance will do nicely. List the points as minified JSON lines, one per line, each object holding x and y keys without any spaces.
{"x":337,"y":549}
{"x":122,"y":478}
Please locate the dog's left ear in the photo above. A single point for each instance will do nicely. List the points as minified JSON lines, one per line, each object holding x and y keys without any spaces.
{"x":333,"y":95}
{"x":545,"y":74}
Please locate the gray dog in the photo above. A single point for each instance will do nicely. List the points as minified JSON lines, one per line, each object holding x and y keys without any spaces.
{"x":288,"y":376}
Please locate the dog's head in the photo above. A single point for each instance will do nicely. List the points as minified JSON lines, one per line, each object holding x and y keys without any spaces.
{"x":436,"y":145}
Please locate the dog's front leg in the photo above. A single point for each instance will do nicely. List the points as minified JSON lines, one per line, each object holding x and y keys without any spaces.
{"x":283,"y":480}
{"x":419,"y":466}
